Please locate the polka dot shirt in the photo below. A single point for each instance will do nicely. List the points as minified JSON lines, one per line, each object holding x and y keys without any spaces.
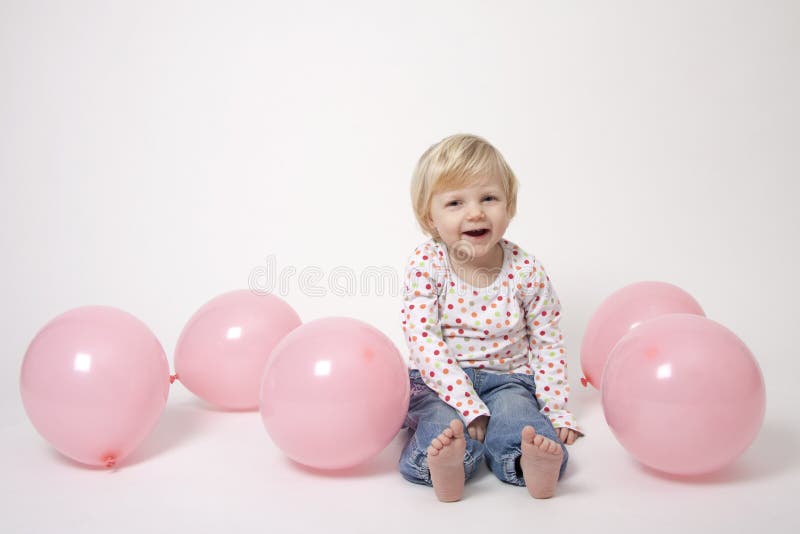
{"x":511,"y":326}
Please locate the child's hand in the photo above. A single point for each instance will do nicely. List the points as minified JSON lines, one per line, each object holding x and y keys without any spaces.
{"x":477,"y":428}
{"x":567,"y":435}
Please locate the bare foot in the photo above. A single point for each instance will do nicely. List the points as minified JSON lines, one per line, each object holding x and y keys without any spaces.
{"x":540,"y":463}
{"x":446,"y":462}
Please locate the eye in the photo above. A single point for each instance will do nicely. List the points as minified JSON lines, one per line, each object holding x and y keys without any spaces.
{"x":453,"y":203}
{"x":489,"y":198}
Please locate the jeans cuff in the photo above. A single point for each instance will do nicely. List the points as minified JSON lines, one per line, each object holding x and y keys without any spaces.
{"x":509,"y":463}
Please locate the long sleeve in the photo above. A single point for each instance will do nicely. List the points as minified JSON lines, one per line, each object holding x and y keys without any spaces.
{"x":546,"y":343}
{"x":421,"y":319}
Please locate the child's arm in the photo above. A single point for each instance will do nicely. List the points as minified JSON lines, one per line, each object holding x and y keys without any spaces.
{"x":421,"y":326}
{"x":547,"y":355}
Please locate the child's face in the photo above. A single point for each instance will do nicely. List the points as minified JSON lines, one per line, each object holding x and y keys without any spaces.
{"x":473,"y":218}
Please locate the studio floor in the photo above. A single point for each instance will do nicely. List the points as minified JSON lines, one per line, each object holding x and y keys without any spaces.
{"x":205,"y":470}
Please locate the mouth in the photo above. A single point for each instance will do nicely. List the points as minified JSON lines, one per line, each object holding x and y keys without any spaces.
{"x":477,"y":233}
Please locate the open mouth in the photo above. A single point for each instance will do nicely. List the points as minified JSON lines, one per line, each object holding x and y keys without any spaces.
{"x":478,"y":233}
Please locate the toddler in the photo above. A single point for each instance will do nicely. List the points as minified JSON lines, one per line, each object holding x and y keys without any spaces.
{"x":480,"y":317}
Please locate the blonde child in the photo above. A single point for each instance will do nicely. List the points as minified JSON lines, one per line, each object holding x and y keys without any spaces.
{"x":480,"y":317}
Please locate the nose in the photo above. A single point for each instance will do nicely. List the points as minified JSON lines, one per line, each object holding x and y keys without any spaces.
{"x":475,"y":212}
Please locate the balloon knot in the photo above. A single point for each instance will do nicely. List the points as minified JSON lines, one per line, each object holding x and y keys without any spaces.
{"x":173,"y":378}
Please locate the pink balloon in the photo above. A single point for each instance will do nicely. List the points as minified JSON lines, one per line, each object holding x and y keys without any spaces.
{"x":623,"y":311}
{"x":683,"y":394}
{"x":221,"y":352}
{"x":334,"y":394}
{"x":94,"y":382}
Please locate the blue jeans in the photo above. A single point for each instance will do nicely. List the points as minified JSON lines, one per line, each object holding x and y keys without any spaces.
{"x":511,"y":399}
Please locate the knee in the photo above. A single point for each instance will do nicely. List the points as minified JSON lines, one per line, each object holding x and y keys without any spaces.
{"x":440,"y":413}
{"x":434,"y":419}
{"x":514,"y":401}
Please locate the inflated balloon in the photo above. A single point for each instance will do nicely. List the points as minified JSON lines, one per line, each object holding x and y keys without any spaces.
{"x":683,"y":394}
{"x":334,"y":393}
{"x":624,"y":310}
{"x":94,"y":382}
{"x":221,"y":352}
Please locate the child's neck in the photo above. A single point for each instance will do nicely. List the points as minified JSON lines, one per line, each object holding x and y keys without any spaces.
{"x":480,"y":272}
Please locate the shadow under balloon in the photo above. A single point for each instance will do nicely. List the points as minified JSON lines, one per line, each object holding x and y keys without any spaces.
{"x":385,"y":462}
{"x":774,"y":452}
{"x":200,"y":404}
{"x":176,"y":426}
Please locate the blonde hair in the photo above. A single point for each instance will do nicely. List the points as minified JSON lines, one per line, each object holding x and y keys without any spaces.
{"x":455,"y":162}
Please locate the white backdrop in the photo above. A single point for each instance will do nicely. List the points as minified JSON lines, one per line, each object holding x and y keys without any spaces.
{"x":153,"y":154}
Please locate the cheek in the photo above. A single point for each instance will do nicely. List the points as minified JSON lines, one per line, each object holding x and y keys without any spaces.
{"x":500,"y":217}
{"x":447,"y":221}
{"x":449,"y":229}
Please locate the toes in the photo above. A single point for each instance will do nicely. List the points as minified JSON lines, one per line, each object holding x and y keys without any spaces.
{"x":457,"y":428}
{"x":432,"y":451}
{"x":528,"y":434}
{"x":444,"y":439}
{"x":542,"y":443}
{"x":545,"y":445}
{"x":548,"y":446}
{"x":437,"y":444}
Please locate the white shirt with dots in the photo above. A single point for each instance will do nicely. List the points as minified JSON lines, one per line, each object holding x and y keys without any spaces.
{"x":510,"y":326}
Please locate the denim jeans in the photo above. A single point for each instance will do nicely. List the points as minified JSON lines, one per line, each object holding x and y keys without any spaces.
{"x":511,"y":399}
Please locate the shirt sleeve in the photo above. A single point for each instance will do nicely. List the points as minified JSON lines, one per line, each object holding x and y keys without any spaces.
{"x":546,"y":343}
{"x":423,"y":333}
